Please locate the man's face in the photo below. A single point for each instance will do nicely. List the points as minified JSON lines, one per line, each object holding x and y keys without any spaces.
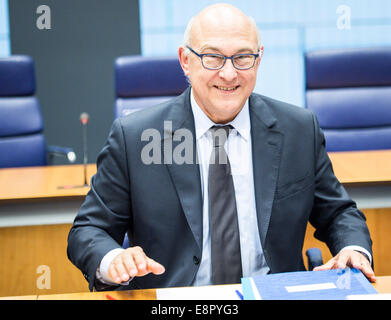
{"x":221,"y":93}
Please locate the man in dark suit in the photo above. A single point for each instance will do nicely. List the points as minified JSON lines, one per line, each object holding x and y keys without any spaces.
{"x":166,"y":191}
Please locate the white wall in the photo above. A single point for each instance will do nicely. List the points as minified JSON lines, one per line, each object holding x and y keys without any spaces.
{"x":4,"y":29}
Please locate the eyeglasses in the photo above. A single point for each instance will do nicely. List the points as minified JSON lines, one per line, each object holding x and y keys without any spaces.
{"x":215,"y":61}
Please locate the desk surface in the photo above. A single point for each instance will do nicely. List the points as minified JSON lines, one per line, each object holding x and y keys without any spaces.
{"x":358,"y":167}
{"x":362,"y":167}
{"x":44,"y":182}
{"x":383,"y":285}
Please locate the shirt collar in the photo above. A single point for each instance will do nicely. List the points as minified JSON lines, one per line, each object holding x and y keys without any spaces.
{"x":202,"y":122}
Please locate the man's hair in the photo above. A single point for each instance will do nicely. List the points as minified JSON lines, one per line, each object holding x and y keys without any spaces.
{"x":186,"y":36}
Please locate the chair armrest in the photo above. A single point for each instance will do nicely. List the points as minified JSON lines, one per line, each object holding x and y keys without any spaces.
{"x":126,"y":243}
{"x":315,"y":259}
{"x":62,"y":151}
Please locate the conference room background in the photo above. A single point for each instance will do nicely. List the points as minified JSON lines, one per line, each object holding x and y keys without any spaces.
{"x":74,"y":58}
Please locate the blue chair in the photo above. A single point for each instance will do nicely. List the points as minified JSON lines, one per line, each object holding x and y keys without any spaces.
{"x":142,"y":82}
{"x":314,"y":258}
{"x":350,"y":92}
{"x":22,"y":142}
{"x":126,"y":243}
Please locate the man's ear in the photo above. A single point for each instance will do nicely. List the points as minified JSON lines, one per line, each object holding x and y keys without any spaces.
{"x":184,"y":60}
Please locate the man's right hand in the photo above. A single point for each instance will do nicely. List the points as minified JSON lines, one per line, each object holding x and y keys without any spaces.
{"x":133,"y":262}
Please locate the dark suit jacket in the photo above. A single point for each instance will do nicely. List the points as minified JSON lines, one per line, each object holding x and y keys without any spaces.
{"x":160,"y":205}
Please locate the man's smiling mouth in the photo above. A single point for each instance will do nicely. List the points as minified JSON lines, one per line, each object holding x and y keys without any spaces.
{"x":227,"y":88}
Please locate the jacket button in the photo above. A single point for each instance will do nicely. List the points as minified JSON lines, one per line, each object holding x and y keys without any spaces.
{"x":196,"y":260}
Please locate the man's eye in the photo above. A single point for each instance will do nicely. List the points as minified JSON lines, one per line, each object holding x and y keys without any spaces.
{"x":212,"y":56}
{"x":244,"y":57}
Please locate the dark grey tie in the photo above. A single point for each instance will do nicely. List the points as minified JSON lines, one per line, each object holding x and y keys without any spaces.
{"x":223,"y":218}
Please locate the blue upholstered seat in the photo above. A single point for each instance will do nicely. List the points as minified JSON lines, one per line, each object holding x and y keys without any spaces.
{"x":350,"y":92}
{"x":22,"y":142}
{"x":142,"y":82}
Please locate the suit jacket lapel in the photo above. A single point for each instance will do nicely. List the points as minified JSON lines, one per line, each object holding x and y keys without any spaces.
{"x":186,"y":176}
{"x":266,"y":151}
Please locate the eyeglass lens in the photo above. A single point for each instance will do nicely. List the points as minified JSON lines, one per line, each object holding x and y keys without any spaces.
{"x":240,"y":61}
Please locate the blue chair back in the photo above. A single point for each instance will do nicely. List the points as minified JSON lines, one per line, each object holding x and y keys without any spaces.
{"x":22,"y":142}
{"x":142,"y":82}
{"x":350,"y":92}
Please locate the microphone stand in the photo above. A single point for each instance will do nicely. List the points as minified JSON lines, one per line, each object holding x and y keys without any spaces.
{"x":84,"y":121}
{"x":85,"y":160}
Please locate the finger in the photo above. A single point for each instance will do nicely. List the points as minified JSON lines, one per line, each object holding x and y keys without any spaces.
{"x":341,"y":260}
{"x":115,"y":277}
{"x":327,"y":266}
{"x":121,"y":270}
{"x":361,"y":263}
{"x":368,"y":272}
{"x":357,"y":261}
{"x":155,"y":267}
{"x":140,"y":260}
{"x":129,"y":263}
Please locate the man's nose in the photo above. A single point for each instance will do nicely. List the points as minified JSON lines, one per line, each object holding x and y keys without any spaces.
{"x":228,"y":71}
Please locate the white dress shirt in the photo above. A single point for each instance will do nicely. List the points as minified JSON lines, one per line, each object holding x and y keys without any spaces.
{"x":238,"y":148}
{"x":239,"y":151}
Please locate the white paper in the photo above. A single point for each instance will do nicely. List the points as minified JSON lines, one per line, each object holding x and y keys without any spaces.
{"x":220,"y":292}
{"x":311,"y":287}
{"x":372,"y":296}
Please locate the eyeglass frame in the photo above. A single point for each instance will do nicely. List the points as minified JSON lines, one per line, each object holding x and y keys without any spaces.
{"x":201,"y":55}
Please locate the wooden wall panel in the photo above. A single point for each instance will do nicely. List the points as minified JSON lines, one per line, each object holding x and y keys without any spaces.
{"x":24,"y":249}
{"x":379,"y":223}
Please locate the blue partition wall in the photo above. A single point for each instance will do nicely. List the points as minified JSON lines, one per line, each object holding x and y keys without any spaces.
{"x":288,"y":28}
{"x":4,"y":29}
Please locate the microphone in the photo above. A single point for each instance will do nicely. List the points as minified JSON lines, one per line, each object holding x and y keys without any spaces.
{"x":84,"y":117}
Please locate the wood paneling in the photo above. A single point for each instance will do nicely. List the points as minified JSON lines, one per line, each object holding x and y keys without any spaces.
{"x":24,"y":249}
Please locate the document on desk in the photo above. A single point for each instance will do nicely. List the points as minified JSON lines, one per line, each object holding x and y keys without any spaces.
{"x":220,"y":292}
{"x":334,"y":284}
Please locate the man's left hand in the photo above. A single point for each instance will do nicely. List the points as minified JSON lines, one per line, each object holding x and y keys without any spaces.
{"x":349,"y":258}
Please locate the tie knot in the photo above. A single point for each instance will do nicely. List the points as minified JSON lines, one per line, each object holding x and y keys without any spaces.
{"x":220,"y":134}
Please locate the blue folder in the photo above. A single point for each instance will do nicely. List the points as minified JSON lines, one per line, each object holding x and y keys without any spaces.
{"x":334,"y":284}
